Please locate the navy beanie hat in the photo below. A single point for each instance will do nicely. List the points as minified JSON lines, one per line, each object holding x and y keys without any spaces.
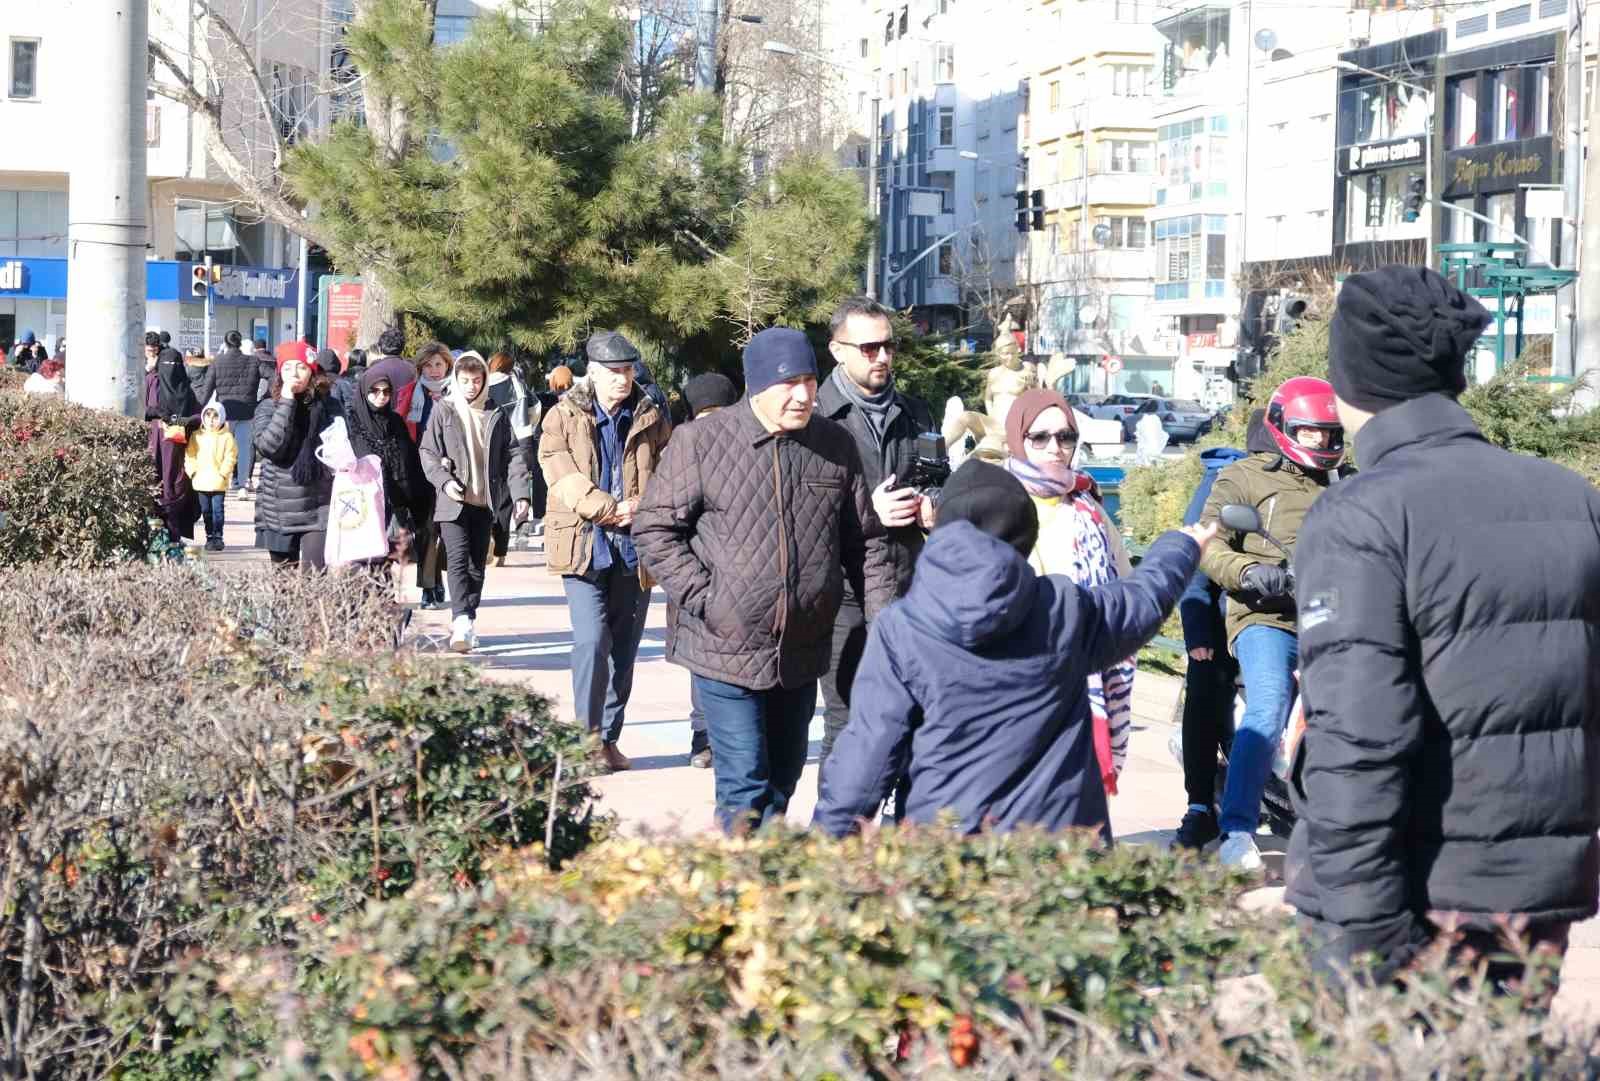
{"x":775,"y":355}
{"x":994,"y":501}
{"x":1399,"y":333}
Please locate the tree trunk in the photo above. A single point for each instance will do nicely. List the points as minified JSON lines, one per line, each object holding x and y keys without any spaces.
{"x":377,"y":310}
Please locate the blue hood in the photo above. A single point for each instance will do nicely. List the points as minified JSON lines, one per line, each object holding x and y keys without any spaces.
{"x":969,"y":587}
{"x":1218,"y":458}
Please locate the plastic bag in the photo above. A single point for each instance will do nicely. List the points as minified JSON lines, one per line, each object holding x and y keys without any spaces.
{"x":356,"y":524}
{"x":334,"y":449}
{"x":1150,"y":439}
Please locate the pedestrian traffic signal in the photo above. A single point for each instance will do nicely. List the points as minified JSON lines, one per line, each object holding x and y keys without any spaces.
{"x":1416,"y":195}
{"x":1291,"y":309}
{"x":199,"y":280}
{"x":1022,"y":211}
{"x":1037,"y":220}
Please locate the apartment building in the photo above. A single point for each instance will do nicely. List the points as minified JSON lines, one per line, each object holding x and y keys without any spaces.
{"x":948,"y":84}
{"x":194,"y":211}
{"x":1089,"y":142}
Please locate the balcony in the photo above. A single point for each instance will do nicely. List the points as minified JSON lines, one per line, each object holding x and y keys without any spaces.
{"x":1196,"y":57}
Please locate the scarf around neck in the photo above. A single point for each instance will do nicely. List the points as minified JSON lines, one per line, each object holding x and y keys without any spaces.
{"x":419,"y":397}
{"x":875,"y":407}
{"x":1054,"y":481}
{"x":475,"y":429}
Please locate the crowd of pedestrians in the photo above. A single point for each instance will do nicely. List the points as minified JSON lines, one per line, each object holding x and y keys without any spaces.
{"x":972,"y":643}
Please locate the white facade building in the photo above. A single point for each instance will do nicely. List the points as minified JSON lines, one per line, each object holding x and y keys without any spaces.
{"x":193,"y":210}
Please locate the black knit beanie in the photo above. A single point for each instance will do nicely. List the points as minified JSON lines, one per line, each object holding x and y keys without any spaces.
{"x":709,"y":390}
{"x":1399,"y":333}
{"x":994,"y":501}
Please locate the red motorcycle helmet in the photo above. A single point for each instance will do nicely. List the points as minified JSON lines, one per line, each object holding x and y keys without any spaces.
{"x":1306,"y":402}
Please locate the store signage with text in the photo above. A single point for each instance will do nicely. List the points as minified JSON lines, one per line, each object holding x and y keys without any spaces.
{"x":1358,"y":159}
{"x":1500,"y":168}
{"x":13,"y":276}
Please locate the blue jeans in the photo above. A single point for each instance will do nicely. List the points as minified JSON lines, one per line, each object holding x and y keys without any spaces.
{"x":698,"y":741}
{"x":759,"y":741}
{"x":247,"y":451}
{"x":1267,"y":658}
{"x":608,"y":611}
{"x":213,"y":513}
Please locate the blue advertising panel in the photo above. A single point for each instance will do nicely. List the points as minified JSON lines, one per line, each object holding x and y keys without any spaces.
{"x":240,"y":286}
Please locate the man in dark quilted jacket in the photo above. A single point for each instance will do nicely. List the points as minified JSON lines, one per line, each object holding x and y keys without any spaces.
{"x":753,"y":523}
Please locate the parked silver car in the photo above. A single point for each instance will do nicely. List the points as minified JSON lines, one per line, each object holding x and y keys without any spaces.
{"x":1184,"y":421}
{"x":1116,"y":406}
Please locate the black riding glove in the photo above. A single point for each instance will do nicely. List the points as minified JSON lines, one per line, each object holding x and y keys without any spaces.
{"x":1267,"y":580}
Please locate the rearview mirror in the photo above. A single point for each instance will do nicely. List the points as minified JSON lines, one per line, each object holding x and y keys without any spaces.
{"x":1241,"y":519}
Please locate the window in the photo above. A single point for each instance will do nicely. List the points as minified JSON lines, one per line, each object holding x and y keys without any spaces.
{"x":947,"y":260}
{"x":944,"y":7}
{"x":1503,"y":92}
{"x":1130,"y":80}
{"x":905,"y":16}
{"x":1125,"y":156}
{"x":863,"y":48}
{"x":449,"y":29}
{"x":888,"y":30}
{"x":947,"y":126}
{"x":1502,"y":210}
{"x":1125,"y":232}
{"x":1375,"y":207}
{"x":1542,"y":108}
{"x":1055,"y":95}
{"x":1461,"y":101}
{"x":1052,"y":168}
{"x":24,"y":68}
{"x":1216,"y":256}
{"x":904,"y":80}
{"x":1127,"y":11}
{"x":945,"y":67}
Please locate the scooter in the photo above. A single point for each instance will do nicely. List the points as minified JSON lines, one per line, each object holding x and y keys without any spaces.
{"x":1277,"y":805}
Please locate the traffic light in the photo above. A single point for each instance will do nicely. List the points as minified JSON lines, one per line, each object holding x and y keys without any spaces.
{"x":1291,"y":309}
{"x":1022,"y":212}
{"x":1036,"y":222}
{"x":199,"y":280}
{"x":1416,"y":195}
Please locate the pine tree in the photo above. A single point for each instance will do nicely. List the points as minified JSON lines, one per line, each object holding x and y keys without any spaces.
{"x":531,"y":215}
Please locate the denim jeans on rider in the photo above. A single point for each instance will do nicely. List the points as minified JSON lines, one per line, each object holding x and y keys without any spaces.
{"x":759,"y":741}
{"x":1267,"y":658}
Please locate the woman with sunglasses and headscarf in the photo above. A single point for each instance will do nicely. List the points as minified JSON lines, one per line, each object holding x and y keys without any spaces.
{"x":1076,"y":539}
{"x":376,"y":429}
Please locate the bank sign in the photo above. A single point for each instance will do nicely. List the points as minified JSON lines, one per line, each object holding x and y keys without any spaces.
{"x":255,"y":287}
{"x":1370,"y":156}
{"x":13,"y":276}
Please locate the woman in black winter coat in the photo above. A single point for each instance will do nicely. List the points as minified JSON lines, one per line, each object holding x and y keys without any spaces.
{"x":376,"y":429}
{"x":295,"y":489}
{"x":169,"y":400}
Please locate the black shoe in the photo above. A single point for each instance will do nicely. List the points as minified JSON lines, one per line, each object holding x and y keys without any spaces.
{"x":1198,"y":829}
{"x":701,"y":759}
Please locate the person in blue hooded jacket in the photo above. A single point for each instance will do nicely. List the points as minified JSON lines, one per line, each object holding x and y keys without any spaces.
{"x":975,"y":684}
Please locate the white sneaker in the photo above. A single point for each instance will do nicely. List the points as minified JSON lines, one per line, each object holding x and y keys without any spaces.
{"x":461,"y":634}
{"x":1239,"y":852}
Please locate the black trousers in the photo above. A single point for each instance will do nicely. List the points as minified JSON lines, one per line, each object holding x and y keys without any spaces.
{"x":307,"y":552}
{"x":849,"y":642}
{"x":1207,"y":721}
{"x":466,"y":545}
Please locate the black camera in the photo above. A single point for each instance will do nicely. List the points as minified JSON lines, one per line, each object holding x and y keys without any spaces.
{"x":931,"y":467}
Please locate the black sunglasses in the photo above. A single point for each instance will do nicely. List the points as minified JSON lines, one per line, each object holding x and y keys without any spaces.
{"x":1063,"y":439}
{"x":870,"y":350}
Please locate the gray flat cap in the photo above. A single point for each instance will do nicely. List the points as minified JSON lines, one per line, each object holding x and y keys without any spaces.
{"x":610,"y":347}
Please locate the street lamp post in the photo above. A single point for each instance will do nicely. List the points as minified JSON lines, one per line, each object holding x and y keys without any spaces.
{"x":778,"y":48}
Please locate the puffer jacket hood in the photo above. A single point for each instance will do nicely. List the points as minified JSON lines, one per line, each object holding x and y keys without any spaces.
{"x":971,"y":588}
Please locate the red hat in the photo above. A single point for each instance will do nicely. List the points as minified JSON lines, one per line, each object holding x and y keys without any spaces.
{"x":293,"y":359}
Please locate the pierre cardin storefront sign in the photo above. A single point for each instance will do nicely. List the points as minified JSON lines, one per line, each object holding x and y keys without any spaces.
{"x":1370,"y":156}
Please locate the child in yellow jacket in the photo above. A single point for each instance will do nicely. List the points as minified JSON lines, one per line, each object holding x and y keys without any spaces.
{"x":209,"y":461}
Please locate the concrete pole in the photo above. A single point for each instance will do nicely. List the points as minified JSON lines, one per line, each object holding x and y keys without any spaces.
{"x":872,"y":201}
{"x":705,"y":66}
{"x":1564,"y":353}
{"x":1587,"y":294}
{"x":107,"y":206}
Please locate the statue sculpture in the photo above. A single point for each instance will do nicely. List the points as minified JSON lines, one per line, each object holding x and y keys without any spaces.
{"x":1009,"y":377}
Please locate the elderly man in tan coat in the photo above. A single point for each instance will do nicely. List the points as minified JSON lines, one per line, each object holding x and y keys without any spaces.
{"x":599,"y":449}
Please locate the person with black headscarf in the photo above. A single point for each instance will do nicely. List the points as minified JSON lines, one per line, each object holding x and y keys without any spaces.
{"x":1449,"y":600}
{"x":172,"y":412}
{"x":295,"y":490}
{"x":376,"y":429}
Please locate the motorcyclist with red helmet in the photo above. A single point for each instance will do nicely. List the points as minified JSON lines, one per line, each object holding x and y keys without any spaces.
{"x":1281,"y":484}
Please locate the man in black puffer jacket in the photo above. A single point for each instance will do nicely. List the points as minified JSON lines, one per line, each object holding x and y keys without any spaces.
{"x":1449,"y":600}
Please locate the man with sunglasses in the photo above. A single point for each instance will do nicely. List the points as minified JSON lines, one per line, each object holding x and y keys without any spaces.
{"x":861,"y":396}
